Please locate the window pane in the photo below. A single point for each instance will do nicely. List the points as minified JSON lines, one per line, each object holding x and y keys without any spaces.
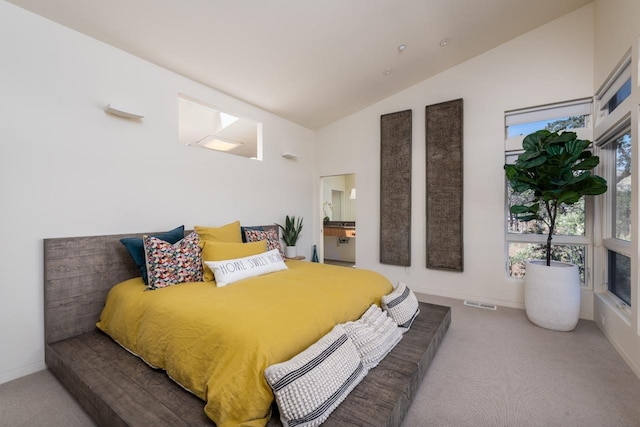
{"x":622,"y":94}
{"x":569,"y":222}
{"x":622,"y":197}
{"x":619,"y":267}
{"x":553,"y":125}
{"x":521,"y":252}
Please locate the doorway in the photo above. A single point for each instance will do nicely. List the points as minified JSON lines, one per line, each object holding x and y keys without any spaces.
{"x":338,"y":243}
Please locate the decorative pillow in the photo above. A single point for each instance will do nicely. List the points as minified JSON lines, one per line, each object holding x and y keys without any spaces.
{"x":244,"y":229}
{"x":232,"y":270}
{"x":135,"y":247}
{"x":226,"y":233}
{"x":271,"y":236}
{"x":169,"y":264}
{"x":312,"y":384}
{"x":402,"y":306}
{"x":375,"y":334}
{"x":220,"y":251}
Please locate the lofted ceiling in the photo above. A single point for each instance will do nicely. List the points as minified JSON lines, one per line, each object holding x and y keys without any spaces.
{"x":312,"y":62}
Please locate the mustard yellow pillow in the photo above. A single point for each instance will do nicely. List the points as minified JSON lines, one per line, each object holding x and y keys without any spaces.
{"x":220,"y":251}
{"x":227,"y":233}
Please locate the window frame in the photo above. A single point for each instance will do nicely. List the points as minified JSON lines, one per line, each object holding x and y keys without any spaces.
{"x":513,"y":146}
{"x":609,"y":127}
{"x":607,"y":152}
{"x":614,"y":83}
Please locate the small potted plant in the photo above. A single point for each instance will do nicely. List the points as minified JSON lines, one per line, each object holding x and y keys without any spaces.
{"x":554,"y":170}
{"x":290,"y":233}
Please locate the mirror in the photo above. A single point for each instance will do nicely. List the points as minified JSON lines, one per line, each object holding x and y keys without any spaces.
{"x":339,"y":197}
{"x":201,"y":125}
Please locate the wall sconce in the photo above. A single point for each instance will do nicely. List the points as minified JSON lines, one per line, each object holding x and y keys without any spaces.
{"x":352,"y":196}
{"x":120,"y":111}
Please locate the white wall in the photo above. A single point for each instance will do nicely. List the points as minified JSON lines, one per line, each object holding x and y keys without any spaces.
{"x":617,"y":29}
{"x":67,"y":168}
{"x":552,"y":63}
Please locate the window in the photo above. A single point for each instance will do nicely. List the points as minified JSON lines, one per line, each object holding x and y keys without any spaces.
{"x":622,"y":191}
{"x":616,"y":155}
{"x":521,"y":252}
{"x":562,"y":123}
{"x":617,"y":98}
{"x":615,"y":91}
{"x":620,"y":276}
{"x":526,"y":240}
{"x":201,"y":125}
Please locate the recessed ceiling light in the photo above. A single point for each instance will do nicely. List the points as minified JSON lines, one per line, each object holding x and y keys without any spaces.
{"x":402,"y":47}
{"x":387,"y":71}
{"x":444,"y":42}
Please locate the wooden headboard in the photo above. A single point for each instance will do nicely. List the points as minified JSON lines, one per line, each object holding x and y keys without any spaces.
{"x":78,"y":274}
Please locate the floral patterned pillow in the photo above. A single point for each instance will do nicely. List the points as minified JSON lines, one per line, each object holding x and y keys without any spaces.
{"x":271,"y":236}
{"x":169,"y":264}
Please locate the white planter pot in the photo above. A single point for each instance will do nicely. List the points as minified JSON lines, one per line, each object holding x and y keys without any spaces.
{"x":290,"y":251}
{"x":552,"y":295}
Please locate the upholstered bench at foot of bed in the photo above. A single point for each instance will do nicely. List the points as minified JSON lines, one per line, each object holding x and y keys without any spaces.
{"x":117,"y":389}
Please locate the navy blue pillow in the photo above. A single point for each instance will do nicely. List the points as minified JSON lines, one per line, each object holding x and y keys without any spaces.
{"x":136,"y":248}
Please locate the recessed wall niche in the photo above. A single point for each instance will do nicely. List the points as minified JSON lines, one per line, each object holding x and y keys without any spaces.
{"x":202,"y":125}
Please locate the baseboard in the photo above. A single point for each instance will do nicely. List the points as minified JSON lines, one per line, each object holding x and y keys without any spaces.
{"x":423,"y":297}
{"x":629,"y":361}
{"x":22,"y":371}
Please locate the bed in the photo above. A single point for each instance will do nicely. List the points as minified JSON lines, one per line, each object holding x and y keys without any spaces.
{"x":117,"y":388}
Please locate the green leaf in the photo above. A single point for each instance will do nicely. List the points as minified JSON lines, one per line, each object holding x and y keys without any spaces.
{"x":521,"y":187}
{"x":587,"y":164}
{"x":584,"y":154}
{"x":519,"y":209}
{"x":595,"y":186}
{"x":510,"y":171}
{"x":533,"y":142}
{"x":537,"y":161}
{"x":555,"y":150}
{"x":569,"y":197}
{"x":529,"y":217}
{"x":580,"y":177}
{"x":528,"y":155}
{"x":565,"y":137}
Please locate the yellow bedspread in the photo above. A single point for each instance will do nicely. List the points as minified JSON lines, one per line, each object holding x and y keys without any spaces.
{"x":217,"y":342}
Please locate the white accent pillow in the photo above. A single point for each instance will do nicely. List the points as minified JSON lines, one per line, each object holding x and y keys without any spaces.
{"x":232,"y":270}
{"x":402,"y":306}
{"x":312,"y":384}
{"x":375,"y":334}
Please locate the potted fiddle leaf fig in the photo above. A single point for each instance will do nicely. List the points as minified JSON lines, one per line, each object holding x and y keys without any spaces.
{"x":553,"y":171}
{"x":290,"y":233}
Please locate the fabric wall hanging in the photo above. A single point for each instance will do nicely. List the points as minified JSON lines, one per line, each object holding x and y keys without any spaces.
{"x":395,"y":188}
{"x":444,"y":137}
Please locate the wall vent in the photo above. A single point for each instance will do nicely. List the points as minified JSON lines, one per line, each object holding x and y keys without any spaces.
{"x":480,"y":305}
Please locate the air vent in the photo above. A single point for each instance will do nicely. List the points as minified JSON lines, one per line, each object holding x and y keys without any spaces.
{"x":480,"y":305}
